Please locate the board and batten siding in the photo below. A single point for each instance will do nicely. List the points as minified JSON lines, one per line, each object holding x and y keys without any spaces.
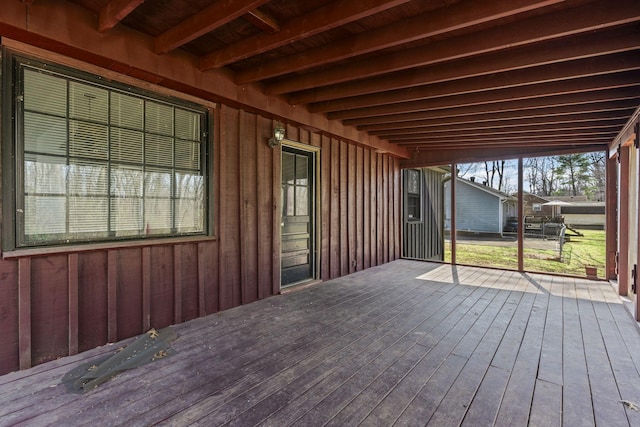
{"x":57,"y":304}
{"x":476,"y":210}
{"x":424,"y":239}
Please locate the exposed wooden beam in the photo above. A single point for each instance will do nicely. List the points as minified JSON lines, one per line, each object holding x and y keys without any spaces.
{"x":263,"y":20}
{"x":510,"y":134}
{"x":114,"y":12}
{"x":564,"y":23}
{"x":497,"y":121}
{"x":463,"y":131}
{"x":325,"y":18}
{"x":592,"y":45}
{"x":494,"y":79}
{"x":586,"y":84}
{"x":446,"y":155}
{"x":572,"y":102}
{"x":421,"y":145}
{"x":214,"y":16}
{"x":432,"y":23}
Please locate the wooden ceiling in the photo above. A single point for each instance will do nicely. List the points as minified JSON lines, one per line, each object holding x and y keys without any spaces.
{"x":424,"y":74}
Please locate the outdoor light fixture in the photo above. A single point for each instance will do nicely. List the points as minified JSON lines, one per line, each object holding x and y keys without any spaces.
{"x":278,"y":136}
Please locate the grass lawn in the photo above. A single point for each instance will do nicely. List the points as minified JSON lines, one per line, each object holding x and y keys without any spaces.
{"x":578,"y":252}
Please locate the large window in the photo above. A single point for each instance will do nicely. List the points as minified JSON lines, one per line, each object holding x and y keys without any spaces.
{"x":97,"y":162}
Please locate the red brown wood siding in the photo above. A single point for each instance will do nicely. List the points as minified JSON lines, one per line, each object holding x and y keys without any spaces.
{"x":59,"y":304}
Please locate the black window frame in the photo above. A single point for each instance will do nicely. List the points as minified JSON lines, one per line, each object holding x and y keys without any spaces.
{"x":413,"y":199}
{"x":13,"y":237}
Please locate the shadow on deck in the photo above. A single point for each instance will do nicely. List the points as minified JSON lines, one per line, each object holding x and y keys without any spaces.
{"x":407,"y":343}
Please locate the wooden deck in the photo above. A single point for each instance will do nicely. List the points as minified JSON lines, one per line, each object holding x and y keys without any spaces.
{"x":407,"y":343}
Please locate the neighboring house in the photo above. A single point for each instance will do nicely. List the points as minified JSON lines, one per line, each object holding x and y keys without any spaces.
{"x":479,"y":208}
{"x":535,"y":205}
{"x":584,"y":214}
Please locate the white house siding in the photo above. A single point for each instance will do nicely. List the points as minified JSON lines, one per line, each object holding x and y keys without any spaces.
{"x":584,"y":219}
{"x":476,"y":210}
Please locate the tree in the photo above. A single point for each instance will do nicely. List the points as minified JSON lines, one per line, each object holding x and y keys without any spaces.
{"x":493,"y":169}
{"x":541,"y":175}
{"x":573,"y":170}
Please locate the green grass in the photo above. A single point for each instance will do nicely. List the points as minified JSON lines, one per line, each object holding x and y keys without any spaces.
{"x":578,"y":252}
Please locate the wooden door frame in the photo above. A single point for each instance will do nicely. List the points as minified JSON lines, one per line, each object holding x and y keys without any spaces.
{"x":316,"y":211}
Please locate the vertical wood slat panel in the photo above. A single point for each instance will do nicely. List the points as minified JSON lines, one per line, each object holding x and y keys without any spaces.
{"x":380,"y":201}
{"x":315,"y":141}
{"x":373,"y":202}
{"x":366,"y":207}
{"x":325,"y":207}
{"x":277,"y":218}
{"x":229,"y":252}
{"x":202,"y":272}
{"x":351,"y":207}
{"x":242,"y":208}
{"x":386,"y":240}
{"x":344,"y":219}
{"x":24,"y":312}
{"x":146,"y":288}
{"x":247,"y":171}
{"x":334,"y":242}
{"x":397,"y":218}
{"x":222,"y":218}
{"x":265,"y":213}
{"x":112,"y":287}
{"x":177,"y":283}
{"x":72,"y":267}
{"x":359,"y":201}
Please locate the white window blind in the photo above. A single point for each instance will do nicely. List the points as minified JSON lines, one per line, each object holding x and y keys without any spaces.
{"x":97,"y":162}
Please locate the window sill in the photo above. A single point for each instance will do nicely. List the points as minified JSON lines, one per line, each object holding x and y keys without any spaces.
{"x":90,"y":247}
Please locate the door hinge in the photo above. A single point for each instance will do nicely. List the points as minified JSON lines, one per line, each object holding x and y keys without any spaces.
{"x":617,"y":264}
{"x":634,"y":275}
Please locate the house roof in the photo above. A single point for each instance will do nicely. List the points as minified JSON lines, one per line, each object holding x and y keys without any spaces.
{"x":433,"y":80}
{"x":490,"y":190}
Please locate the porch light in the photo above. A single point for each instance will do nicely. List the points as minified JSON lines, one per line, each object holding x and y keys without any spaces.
{"x":278,"y":136}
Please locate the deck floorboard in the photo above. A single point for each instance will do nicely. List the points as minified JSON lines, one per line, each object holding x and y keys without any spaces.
{"x":406,"y":343}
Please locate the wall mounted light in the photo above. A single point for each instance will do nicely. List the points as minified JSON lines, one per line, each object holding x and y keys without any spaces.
{"x":278,"y":136}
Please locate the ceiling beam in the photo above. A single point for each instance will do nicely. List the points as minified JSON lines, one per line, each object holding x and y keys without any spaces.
{"x":493,"y":80}
{"x":205,"y":21}
{"x":485,"y":129}
{"x":446,"y":155}
{"x":593,"y":16}
{"x":263,"y":20}
{"x":333,"y":15}
{"x":421,"y":144}
{"x":497,"y":121}
{"x":511,"y":95}
{"x":549,"y":52}
{"x":432,"y":23}
{"x":532,"y":133}
{"x":572,"y":103}
{"x":114,"y":12}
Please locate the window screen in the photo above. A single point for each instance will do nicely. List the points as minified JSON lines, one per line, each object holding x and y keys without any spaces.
{"x":95,"y":162}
